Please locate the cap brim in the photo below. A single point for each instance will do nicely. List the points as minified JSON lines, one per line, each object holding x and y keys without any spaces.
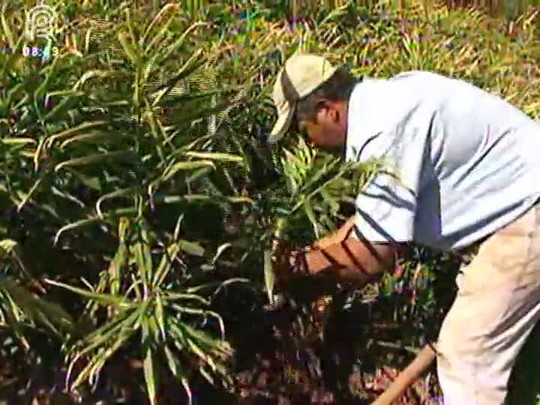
{"x":282,"y":124}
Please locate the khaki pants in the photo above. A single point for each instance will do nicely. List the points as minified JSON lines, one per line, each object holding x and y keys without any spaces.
{"x":496,"y":308}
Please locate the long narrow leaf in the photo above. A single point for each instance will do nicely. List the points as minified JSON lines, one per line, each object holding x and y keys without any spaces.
{"x":104,"y":299}
{"x":96,"y":158}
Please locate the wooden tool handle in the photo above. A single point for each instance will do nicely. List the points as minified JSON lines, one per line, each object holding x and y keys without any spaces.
{"x":407,"y":377}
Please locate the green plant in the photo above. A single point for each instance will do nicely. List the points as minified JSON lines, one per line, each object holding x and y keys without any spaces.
{"x":145,"y":297}
{"x":104,"y":157}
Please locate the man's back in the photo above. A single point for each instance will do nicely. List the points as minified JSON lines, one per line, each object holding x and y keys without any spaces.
{"x":468,"y":161}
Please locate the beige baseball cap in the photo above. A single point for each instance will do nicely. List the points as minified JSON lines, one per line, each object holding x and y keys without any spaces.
{"x":302,"y":74}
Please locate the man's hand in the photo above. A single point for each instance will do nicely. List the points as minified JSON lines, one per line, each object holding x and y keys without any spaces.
{"x":291,"y":275}
{"x":286,"y":264}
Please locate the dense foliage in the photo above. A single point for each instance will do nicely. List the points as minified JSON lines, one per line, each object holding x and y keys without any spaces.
{"x":139,"y":202}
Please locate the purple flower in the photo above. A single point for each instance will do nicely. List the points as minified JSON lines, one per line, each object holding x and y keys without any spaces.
{"x":47,"y":102}
{"x":294,"y":18}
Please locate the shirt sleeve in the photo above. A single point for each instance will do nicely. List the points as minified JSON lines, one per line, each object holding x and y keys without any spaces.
{"x":386,"y":207}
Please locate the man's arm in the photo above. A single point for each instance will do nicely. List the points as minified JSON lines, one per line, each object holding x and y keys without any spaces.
{"x":352,"y":261}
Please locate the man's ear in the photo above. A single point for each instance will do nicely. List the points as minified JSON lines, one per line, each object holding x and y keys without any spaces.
{"x":326,"y":107}
{"x":333,"y":110}
{"x":320,"y":106}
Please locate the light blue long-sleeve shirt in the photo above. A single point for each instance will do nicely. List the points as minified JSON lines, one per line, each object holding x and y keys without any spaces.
{"x":468,"y":162}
